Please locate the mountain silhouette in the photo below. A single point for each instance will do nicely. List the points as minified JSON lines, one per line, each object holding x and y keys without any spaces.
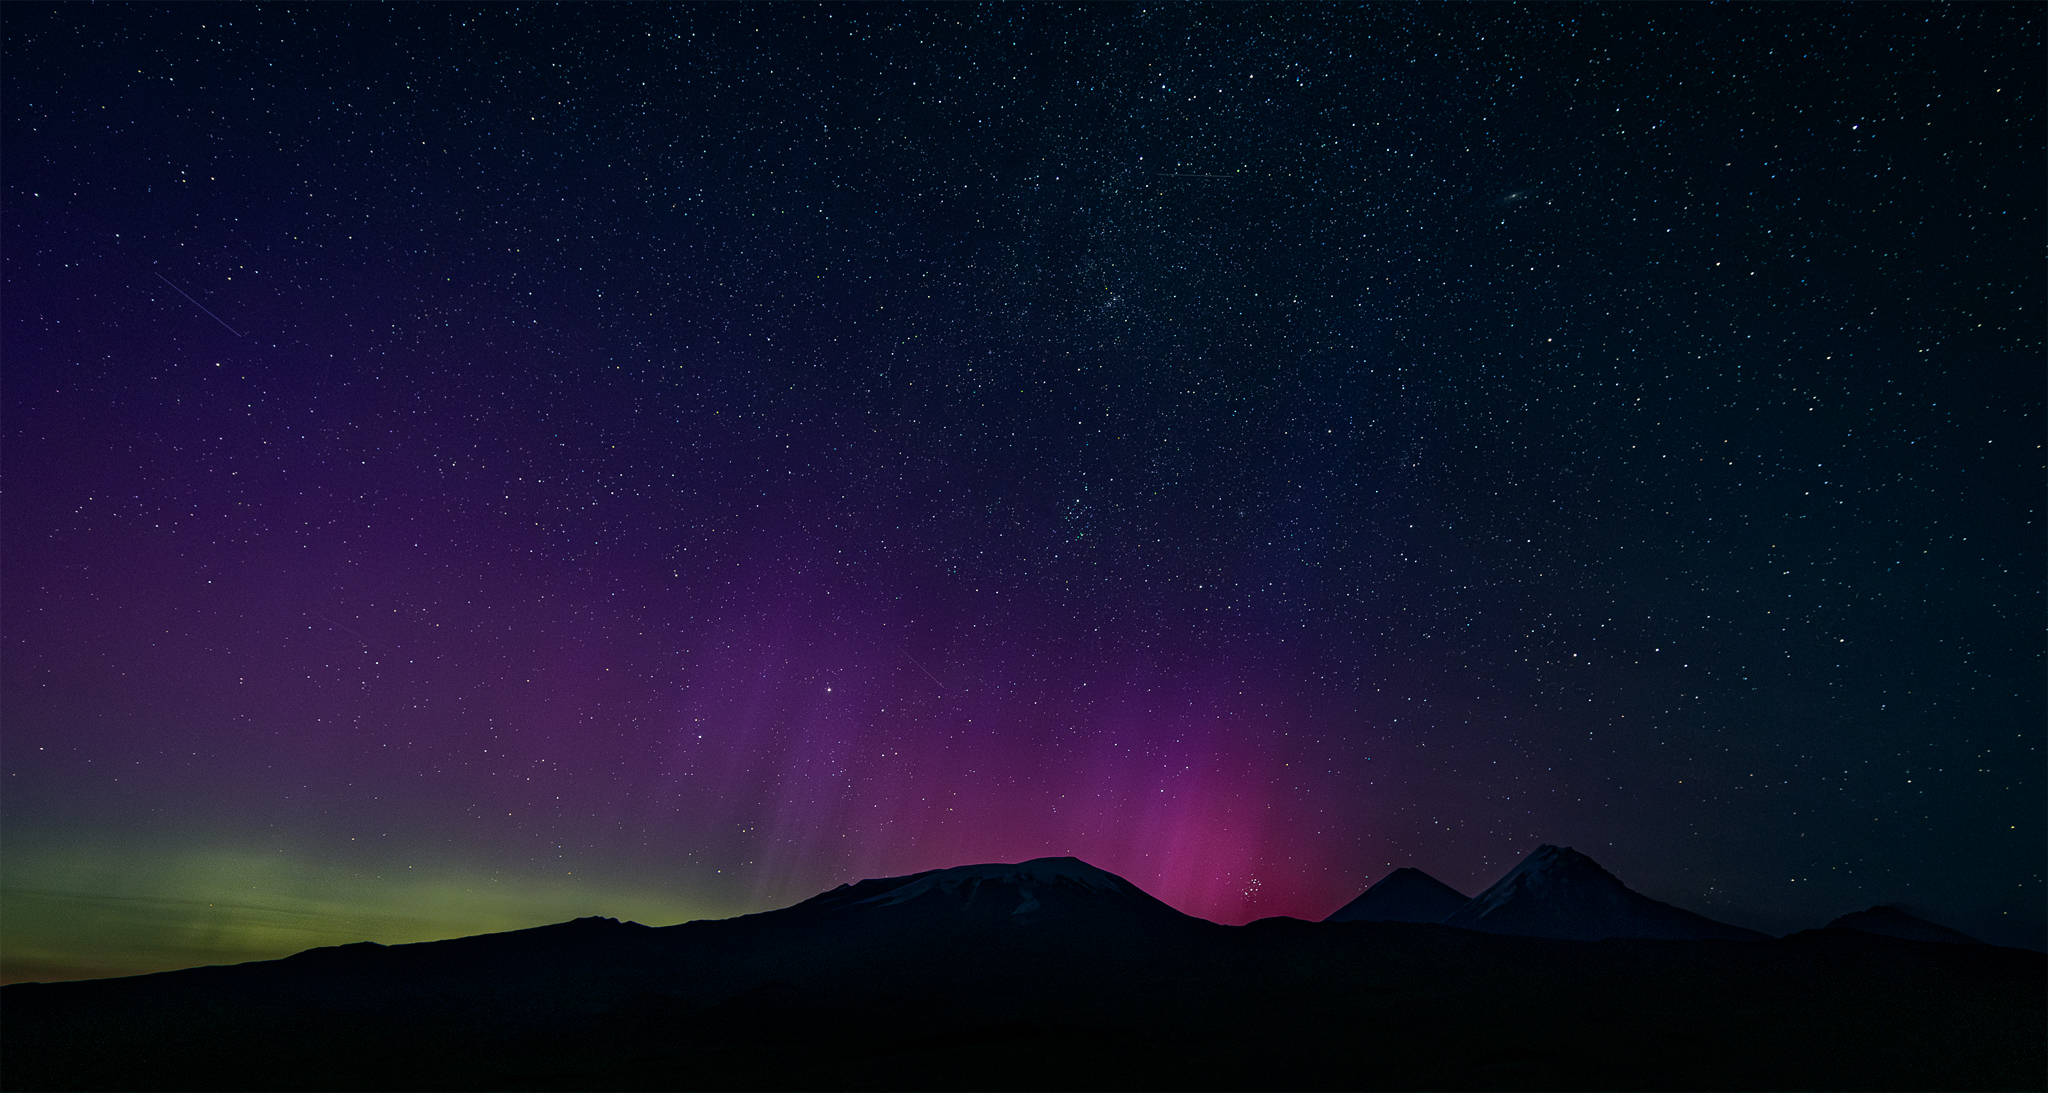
{"x":1404,"y":895}
{"x":1560,"y":893}
{"x":1053,"y":974}
{"x":1892,"y":922}
{"x":1042,"y":891}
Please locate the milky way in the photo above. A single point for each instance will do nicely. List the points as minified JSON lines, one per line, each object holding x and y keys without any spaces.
{"x":665,"y":462}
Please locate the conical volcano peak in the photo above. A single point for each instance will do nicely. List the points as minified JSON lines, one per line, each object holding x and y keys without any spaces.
{"x":1549,"y":864}
{"x":1558,"y":892}
{"x":1404,"y":895}
{"x":1551,"y":859}
{"x":1548,"y":874}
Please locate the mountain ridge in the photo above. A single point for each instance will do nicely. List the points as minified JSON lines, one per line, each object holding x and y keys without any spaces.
{"x":1557,"y":892}
{"x":919,"y":982}
{"x":1051,"y":892}
{"x":1892,"y":922}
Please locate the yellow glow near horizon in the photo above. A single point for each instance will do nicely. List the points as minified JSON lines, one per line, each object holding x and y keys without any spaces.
{"x":82,"y":912}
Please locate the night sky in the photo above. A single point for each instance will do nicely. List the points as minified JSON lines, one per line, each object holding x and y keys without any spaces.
{"x":470,"y":468}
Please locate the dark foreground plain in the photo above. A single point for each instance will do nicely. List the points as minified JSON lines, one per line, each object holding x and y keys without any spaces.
{"x":1057,"y":980}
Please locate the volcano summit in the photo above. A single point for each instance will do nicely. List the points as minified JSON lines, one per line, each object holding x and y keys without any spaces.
{"x":1558,"y":892}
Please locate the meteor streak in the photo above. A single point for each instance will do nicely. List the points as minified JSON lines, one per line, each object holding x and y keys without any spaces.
{"x":921,"y":667}
{"x":199,"y":305}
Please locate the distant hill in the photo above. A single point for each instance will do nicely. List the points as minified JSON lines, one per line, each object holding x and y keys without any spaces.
{"x":1404,"y":895}
{"x":1893,"y":922}
{"x":1560,"y":893}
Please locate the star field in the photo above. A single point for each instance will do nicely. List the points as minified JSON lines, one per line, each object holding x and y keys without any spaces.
{"x":471,"y":468}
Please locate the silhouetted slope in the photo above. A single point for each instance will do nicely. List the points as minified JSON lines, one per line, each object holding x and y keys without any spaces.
{"x":1404,"y":895}
{"x":943,"y":980}
{"x":1560,"y":893}
{"x":1042,"y":892}
{"x":1892,"y":922}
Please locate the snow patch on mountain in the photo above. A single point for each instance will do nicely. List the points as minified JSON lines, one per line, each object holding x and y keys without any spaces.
{"x":1021,"y":874}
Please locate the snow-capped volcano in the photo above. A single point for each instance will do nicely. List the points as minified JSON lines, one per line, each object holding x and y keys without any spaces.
{"x":1404,"y":895}
{"x":1558,"y":892}
{"x":1022,"y":893}
{"x":1022,"y":875}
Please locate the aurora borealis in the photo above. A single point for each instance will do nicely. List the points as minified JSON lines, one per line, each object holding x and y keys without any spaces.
{"x":470,"y":467}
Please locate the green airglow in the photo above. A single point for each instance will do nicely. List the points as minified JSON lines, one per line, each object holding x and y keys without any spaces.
{"x":88,"y":911}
